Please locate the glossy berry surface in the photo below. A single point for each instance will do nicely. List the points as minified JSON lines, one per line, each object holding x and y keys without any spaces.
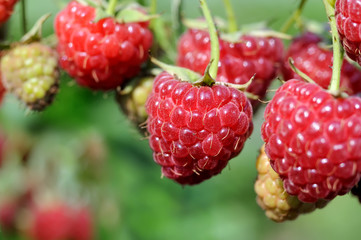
{"x":239,"y":62}
{"x":278,"y":205}
{"x":316,"y":62}
{"x":313,"y":140}
{"x":6,"y":9}
{"x":31,"y":73}
{"x":100,"y":55}
{"x":348,"y":19}
{"x":195,"y":131}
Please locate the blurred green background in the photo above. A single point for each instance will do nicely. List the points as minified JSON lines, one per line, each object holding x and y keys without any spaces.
{"x":149,"y":207}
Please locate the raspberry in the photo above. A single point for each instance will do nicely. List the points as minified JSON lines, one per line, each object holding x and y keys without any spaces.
{"x":133,"y":102}
{"x":348,"y":20}
{"x":195,"y":131}
{"x":82,"y":226}
{"x":30,"y":71}
{"x":6,"y":9}
{"x":60,"y":221}
{"x":100,"y":55}
{"x":316,"y":62}
{"x":8,"y":212}
{"x":271,"y":196}
{"x":313,"y":140}
{"x":239,"y":62}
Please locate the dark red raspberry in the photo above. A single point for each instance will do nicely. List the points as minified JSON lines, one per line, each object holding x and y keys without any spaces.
{"x":348,"y":19}
{"x":316,"y":62}
{"x":195,"y":131}
{"x":259,"y":56}
{"x":313,"y":140}
{"x":6,"y":9}
{"x":100,"y":55}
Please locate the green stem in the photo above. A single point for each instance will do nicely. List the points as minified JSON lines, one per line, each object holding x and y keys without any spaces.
{"x":214,"y":39}
{"x":111,"y":7}
{"x":294,"y":17}
{"x":232,"y":23}
{"x":337,"y":50}
{"x":23,"y":17}
{"x":177,"y":17}
{"x":153,"y":7}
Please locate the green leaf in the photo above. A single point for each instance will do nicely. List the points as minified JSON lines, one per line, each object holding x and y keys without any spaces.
{"x":202,"y":24}
{"x":183,"y":74}
{"x":128,"y":15}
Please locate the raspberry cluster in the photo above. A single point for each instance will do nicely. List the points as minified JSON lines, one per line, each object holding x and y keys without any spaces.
{"x":100,"y":54}
{"x":313,"y":140}
{"x":239,"y":62}
{"x":194,"y":131}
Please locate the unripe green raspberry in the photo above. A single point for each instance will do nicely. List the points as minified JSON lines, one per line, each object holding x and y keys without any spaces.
{"x":271,"y":196}
{"x":31,"y":72}
{"x":132,"y":100}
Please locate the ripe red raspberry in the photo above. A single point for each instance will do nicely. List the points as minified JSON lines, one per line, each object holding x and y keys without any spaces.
{"x":316,"y":62}
{"x":195,"y":131}
{"x":313,"y":140}
{"x":100,"y":55}
{"x":348,"y":20}
{"x":60,"y":221}
{"x":271,"y":196}
{"x":51,"y":223}
{"x":259,"y":56}
{"x":6,"y":9}
{"x":82,"y":226}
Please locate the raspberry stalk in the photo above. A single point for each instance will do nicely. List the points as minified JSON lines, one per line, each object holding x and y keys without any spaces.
{"x":23,"y":16}
{"x":111,"y":7}
{"x":294,"y":17}
{"x":214,"y":39}
{"x":337,"y":50}
{"x":232,"y":24}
